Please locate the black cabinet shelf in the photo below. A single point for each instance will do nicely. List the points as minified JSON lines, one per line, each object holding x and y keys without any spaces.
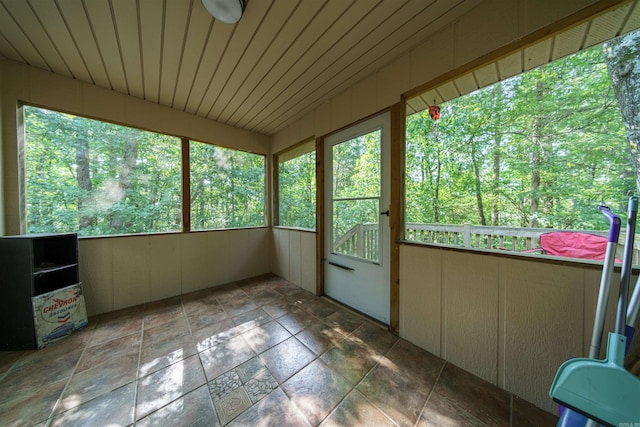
{"x":39,"y":271}
{"x":32,"y":266}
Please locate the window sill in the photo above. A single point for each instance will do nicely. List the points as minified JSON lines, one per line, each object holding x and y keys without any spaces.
{"x":305,"y":230}
{"x":164,"y":233}
{"x":546,"y":259}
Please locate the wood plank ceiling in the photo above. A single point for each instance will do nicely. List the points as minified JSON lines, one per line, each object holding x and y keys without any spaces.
{"x":283,"y":59}
{"x":613,"y":23}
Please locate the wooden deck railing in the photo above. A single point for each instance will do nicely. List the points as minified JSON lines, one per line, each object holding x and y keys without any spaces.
{"x":361,"y":240}
{"x":472,"y":236}
{"x":503,"y":238}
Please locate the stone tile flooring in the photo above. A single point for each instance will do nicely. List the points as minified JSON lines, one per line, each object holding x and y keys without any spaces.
{"x":254,"y":353}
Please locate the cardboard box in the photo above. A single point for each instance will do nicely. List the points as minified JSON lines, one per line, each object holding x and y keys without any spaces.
{"x":58,"y":314}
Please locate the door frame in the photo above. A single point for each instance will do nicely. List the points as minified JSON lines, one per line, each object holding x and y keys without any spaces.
{"x":365,"y":287}
{"x":396,"y":219}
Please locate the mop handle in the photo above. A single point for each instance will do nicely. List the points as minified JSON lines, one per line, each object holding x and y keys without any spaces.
{"x":625,"y":276}
{"x":614,"y":223}
{"x":634,"y":305}
{"x":605,"y":282}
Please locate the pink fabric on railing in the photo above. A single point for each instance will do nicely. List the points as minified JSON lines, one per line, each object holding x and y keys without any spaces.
{"x":574,"y":245}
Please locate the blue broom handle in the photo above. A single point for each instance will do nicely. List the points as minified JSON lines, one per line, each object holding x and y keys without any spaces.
{"x":614,"y":223}
{"x":625,"y":276}
{"x":634,"y":305}
{"x":605,"y":281}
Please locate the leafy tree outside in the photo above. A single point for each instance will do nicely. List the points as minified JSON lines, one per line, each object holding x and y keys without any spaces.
{"x":97,"y":178}
{"x":356,"y":187}
{"x":542,"y":149}
{"x":227,"y":187}
{"x":297,"y":191}
{"x":356,"y":181}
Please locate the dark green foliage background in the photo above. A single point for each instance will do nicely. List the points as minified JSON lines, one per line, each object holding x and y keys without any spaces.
{"x":133,"y":182}
{"x":560,"y":122}
{"x":297,"y":191}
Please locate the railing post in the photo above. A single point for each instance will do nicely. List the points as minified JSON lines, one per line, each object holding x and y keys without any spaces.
{"x":466,"y":236}
{"x":359,"y":242}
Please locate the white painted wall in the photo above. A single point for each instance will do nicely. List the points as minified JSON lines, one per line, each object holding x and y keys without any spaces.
{"x":294,"y":256}
{"x":119,"y":272}
{"x":511,"y":321}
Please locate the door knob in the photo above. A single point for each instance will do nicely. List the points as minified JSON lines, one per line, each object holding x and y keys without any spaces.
{"x":385,"y":213}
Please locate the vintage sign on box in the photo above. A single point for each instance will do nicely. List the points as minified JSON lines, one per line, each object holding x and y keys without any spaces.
{"x":58,"y":314}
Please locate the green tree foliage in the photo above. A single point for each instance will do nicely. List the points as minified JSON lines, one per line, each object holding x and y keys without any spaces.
{"x":227,"y":187}
{"x":356,"y":182}
{"x":541,"y":149}
{"x":297,"y":191}
{"x":97,"y":178}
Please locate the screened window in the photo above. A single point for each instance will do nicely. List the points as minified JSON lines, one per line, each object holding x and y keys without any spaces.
{"x":533,"y":154}
{"x":297,"y":187}
{"x":227,"y":187}
{"x":97,"y":178}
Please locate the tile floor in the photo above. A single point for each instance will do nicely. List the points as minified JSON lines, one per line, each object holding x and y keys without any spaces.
{"x":259,"y":352}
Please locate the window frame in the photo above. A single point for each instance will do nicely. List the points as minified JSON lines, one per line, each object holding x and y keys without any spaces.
{"x":187,"y":177}
{"x":306,"y":146}
{"x":439,"y":91}
{"x":185,"y":171}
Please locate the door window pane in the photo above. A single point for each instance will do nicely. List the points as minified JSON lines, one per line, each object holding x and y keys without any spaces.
{"x":356,"y":167}
{"x":356,"y":196}
{"x":356,"y":227}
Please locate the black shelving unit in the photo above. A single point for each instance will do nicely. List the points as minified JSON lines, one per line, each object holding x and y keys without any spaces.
{"x":33,"y":266}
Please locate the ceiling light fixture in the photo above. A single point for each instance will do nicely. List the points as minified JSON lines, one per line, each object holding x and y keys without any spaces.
{"x":227,"y":11}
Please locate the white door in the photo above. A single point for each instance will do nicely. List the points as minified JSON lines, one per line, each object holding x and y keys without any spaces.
{"x":357,"y":231}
